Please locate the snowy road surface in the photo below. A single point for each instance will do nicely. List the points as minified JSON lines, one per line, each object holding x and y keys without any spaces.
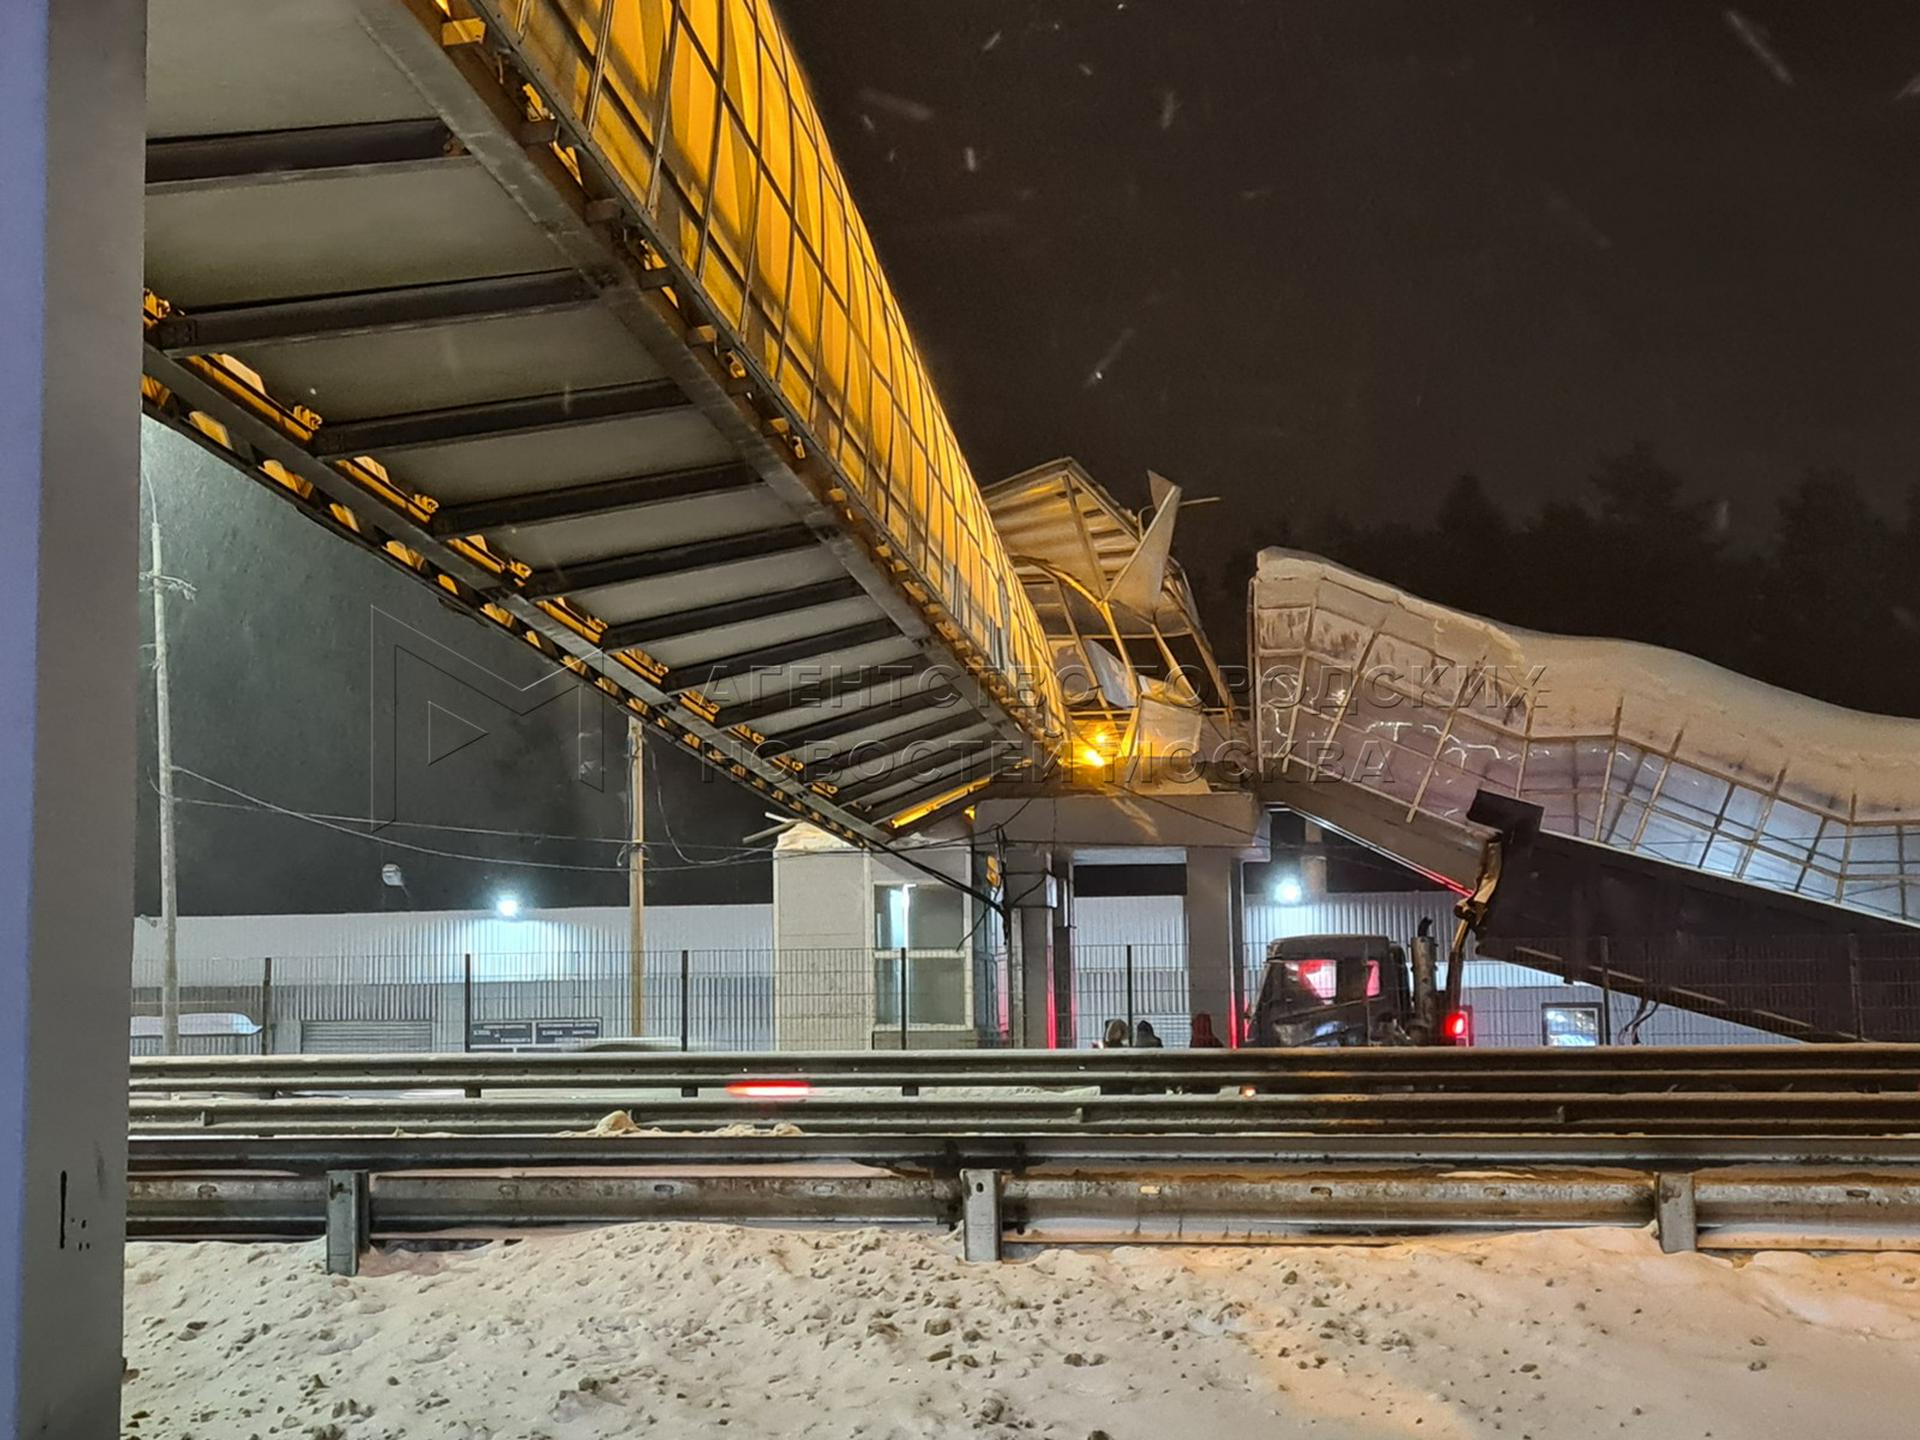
{"x":688,"y":1330}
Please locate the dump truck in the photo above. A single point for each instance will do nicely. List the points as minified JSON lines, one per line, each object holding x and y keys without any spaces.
{"x":1341,"y":990}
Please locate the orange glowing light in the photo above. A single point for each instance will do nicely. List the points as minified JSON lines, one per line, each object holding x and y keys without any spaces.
{"x":770,"y":1089}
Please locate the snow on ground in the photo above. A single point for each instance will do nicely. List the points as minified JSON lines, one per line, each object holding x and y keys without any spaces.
{"x":688,"y":1330}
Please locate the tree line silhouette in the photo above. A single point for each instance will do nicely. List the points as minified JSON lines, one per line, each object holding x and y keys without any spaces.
{"x":1827,"y":604}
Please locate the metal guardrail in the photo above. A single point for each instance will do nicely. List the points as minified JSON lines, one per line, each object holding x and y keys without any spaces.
{"x":1758,"y":1067}
{"x":1756,"y":1148}
{"x":1013,"y":1152}
{"x":1771,"y":1113}
{"x":1766,"y":1090}
{"x":1741,"y":1209}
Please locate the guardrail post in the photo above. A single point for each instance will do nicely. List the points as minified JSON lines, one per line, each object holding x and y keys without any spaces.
{"x":686,"y":991}
{"x":349,"y":1216}
{"x":903,"y":999}
{"x":980,"y":1215}
{"x":1674,"y":1214}
{"x":266,"y":1005}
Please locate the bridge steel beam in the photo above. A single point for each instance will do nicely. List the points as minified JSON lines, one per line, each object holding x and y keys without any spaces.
{"x":219,"y":162}
{"x":687,"y":559}
{"x":911,"y":781}
{"x":852,"y":722}
{"x":72,"y":93}
{"x":635,"y":492}
{"x":373,"y":312}
{"x":810,"y":695}
{"x":742,"y":611}
{"x":493,"y":419}
{"x":948,"y":727}
{"x":775,"y":657}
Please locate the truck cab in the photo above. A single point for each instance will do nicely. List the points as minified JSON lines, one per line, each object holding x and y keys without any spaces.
{"x":1327,"y":990}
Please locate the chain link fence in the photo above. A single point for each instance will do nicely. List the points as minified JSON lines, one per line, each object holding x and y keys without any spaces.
{"x":742,"y":999}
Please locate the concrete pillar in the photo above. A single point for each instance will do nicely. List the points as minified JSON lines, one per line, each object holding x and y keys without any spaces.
{"x":1313,"y":864}
{"x":1212,"y":936}
{"x":72,"y":81}
{"x":1233,"y":1032}
{"x":1031,"y":891}
{"x":823,"y":944}
{"x":1063,"y":1010}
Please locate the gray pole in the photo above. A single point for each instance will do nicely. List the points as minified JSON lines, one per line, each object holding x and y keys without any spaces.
{"x":636,"y":879}
{"x":163,"y":748}
{"x":72,"y":81}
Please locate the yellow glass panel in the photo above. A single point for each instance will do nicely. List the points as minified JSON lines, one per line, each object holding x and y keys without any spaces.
{"x":703,"y":21}
{"x":691,"y":119}
{"x":818,"y":316}
{"x":636,"y":53}
{"x":732,"y":188}
{"x":834,"y":349}
{"x":776,"y":141}
{"x":803,"y":303}
{"x":833,"y":232}
{"x":773,"y":249}
{"x":806,"y":193}
{"x":741,"y":71}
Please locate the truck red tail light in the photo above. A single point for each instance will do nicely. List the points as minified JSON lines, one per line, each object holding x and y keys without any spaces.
{"x":1458,"y":1027}
{"x":770,"y":1089}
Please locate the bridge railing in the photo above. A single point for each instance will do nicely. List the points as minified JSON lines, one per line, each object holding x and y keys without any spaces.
{"x":701,"y":113}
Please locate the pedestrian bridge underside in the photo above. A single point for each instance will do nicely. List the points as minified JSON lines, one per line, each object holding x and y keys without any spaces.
{"x":563,"y":306}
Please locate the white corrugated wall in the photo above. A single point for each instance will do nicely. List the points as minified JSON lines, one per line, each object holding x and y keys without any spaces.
{"x":227,"y":949}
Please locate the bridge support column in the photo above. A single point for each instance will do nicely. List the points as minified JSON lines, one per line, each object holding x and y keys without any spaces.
{"x":1063,"y":959}
{"x":1032,"y":891}
{"x":1213,"y":939}
{"x":72,"y":82}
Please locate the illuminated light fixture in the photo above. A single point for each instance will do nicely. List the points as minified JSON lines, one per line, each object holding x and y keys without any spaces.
{"x":1093,"y":758}
{"x":1287,"y":891}
{"x":507,"y":907}
{"x":770,"y":1089}
{"x":939,"y":802}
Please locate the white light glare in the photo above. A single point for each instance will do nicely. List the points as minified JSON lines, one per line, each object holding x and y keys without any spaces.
{"x":1287,"y":891}
{"x":507,"y":907}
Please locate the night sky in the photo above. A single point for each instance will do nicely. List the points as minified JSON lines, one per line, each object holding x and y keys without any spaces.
{"x":1322,"y":255}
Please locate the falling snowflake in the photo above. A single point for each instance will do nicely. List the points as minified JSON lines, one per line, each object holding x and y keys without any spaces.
{"x":1755,"y":39}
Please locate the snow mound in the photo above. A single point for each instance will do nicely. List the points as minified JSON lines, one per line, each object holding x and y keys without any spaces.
{"x":717,"y":1331}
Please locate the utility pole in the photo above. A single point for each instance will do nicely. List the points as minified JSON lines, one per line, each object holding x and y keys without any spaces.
{"x":163,"y":747}
{"x":636,"y":879}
